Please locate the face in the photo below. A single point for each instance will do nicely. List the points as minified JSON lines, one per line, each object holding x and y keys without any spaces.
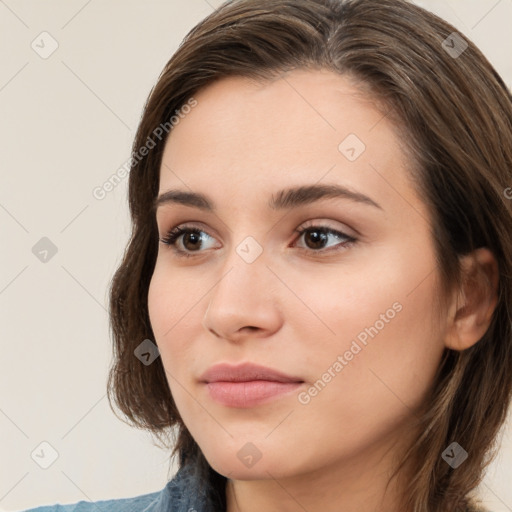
{"x":335,"y":290}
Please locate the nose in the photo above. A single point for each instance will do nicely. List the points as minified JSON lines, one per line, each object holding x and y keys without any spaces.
{"x":244,"y":301}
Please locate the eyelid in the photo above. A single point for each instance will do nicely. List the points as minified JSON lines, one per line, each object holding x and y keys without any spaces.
{"x":346,"y":230}
{"x":319,"y":222}
{"x":324,"y":222}
{"x":193,"y":224}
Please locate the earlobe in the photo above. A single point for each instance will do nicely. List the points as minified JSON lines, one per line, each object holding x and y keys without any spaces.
{"x":472,"y":309}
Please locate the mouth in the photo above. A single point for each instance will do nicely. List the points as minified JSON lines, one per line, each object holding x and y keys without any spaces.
{"x":249,"y":393}
{"x":247,"y":385}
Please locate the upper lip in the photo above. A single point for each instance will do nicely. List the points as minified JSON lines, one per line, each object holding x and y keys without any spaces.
{"x":245,"y":372}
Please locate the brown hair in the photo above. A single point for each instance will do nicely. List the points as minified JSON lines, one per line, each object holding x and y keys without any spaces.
{"x":454,"y":113}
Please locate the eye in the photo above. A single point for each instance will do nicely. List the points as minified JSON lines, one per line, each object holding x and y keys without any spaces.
{"x":192,"y":237}
{"x":318,"y":236}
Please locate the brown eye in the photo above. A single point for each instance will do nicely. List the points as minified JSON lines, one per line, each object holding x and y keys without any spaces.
{"x":192,"y":239}
{"x":316,"y":237}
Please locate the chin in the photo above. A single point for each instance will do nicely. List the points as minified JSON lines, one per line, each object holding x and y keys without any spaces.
{"x":232,"y":465}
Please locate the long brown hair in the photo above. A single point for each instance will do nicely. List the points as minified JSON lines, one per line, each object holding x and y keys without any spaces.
{"x":455,"y":116}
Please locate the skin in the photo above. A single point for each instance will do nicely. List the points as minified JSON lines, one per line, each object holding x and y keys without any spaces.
{"x":299,"y":306}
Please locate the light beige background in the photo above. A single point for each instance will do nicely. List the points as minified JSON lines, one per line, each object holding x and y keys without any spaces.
{"x":67,"y":124}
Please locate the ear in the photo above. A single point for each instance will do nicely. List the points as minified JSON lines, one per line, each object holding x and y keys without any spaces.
{"x":472,"y":308}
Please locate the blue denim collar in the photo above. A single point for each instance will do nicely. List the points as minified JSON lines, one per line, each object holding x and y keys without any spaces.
{"x":186,"y":492}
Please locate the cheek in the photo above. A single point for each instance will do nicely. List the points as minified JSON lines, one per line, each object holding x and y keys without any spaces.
{"x":171,"y":313}
{"x":160,"y":305}
{"x":380,"y":360}
{"x":176,"y":305}
{"x":173,"y":309}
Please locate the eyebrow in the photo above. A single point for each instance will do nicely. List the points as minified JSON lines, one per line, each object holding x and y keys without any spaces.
{"x":285,"y":199}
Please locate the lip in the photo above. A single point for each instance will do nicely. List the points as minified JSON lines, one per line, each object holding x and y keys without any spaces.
{"x":248,"y":384}
{"x":244,"y":373}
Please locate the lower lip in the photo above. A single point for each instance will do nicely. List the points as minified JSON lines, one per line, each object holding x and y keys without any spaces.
{"x":249,"y":393}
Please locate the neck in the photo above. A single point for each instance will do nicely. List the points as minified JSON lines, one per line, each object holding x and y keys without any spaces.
{"x":361,"y":483}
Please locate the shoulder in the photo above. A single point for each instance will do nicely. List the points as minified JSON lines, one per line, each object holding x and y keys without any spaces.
{"x":186,"y":492}
{"x":142,"y":503}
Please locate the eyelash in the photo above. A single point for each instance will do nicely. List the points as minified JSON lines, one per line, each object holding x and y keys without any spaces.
{"x":172,"y":236}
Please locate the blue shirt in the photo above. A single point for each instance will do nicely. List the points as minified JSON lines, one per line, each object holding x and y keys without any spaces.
{"x":184,"y":493}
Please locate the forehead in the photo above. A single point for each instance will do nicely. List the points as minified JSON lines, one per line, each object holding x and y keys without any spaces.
{"x":251,"y":138}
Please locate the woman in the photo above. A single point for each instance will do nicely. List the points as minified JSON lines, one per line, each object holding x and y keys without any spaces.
{"x":316,"y":295}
